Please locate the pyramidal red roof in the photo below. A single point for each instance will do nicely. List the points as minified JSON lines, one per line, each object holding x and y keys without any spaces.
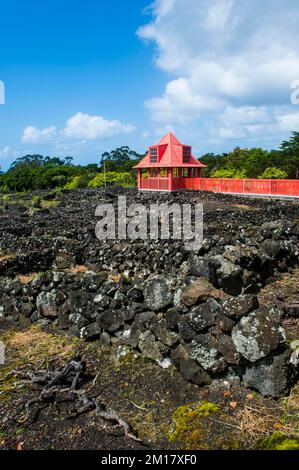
{"x":170,"y":154}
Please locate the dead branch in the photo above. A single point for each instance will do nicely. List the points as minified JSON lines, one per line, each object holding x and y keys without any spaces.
{"x":54,"y":384}
{"x":119,"y":422}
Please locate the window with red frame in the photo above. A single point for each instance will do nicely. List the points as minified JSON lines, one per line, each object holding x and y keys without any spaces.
{"x":186,"y":154}
{"x":154,"y":155}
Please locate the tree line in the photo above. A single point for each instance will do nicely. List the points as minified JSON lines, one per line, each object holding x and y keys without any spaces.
{"x":33,"y":172}
{"x":256,"y":162}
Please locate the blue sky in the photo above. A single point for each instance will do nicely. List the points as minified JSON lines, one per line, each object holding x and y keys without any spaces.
{"x":84,"y":77}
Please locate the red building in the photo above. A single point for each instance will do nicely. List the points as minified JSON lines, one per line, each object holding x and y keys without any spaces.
{"x":168,"y":166}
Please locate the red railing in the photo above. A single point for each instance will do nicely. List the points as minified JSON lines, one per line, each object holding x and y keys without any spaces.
{"x":248,"y":186}
{"x":225,"y":185}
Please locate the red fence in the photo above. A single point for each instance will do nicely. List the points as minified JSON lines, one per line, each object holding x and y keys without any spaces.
{"x":225,"y":185}
{"x":248,"y":186}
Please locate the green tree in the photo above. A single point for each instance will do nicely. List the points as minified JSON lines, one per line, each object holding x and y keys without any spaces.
{"x":237,"y":158}
{"x":37,"y":172}
{"x":213,"y":162}
{"x":290,"y":153}
{"x":120,"y":159}
{"x":256,"y":162}
{"x":273,"y":173}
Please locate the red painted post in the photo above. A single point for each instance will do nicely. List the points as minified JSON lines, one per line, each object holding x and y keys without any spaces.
{"x":170,"y":179}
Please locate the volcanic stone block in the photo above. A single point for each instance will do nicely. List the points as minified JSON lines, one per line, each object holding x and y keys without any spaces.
{"x":227,"y":349}
{"x":91,"y":332}
{"x":228,"y":275}
{"x":157,"y":294}
{"x":47,"y":305}
{"x":198,"y":266}
{"x":256,"y":335}
{"x":199,"y":291}
{"x":188,"y":367}
{"x":272,"y":376}
{"x":237,"y":307}
{"x":203,"y":315}
{"x":162,"y":333}
{"x":111,"y":320}
{"x":150,"y":347}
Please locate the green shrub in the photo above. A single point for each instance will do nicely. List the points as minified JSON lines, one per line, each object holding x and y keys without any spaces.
{"x":229,"y":173}
{"x":74,"y":183}
{"x":113,"y":178}
{"x":273,"y":173}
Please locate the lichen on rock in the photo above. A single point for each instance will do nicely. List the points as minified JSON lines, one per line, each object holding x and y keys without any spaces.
{"x":259,"y":333}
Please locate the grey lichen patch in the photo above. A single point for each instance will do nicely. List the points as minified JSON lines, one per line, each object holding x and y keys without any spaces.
{"x":258,"y":334}
{"x":157,"y":294}
{"x":203,"y":350}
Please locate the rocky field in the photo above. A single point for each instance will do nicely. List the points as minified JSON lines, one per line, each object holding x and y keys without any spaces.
{"x":142,"y":344}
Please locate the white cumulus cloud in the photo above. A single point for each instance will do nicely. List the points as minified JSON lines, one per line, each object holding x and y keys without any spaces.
{"x":180,"y":102}
{"x":33,"y":135}
{"x":5,"y":152}
{"x":84,"y":126}
{"x":230,"y":62}
{"x":80,"y":127}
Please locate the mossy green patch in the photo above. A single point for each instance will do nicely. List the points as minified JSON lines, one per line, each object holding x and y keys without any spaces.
{"x":6,"y":386}
{"x":279,"y":441}
{"x":188,"y":423}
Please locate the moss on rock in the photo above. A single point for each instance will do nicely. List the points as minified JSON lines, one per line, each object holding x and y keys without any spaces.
{"x":279,"y":441}
{"x":188,"y":423}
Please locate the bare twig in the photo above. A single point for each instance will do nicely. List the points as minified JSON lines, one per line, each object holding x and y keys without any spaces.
{"x":224,"y":423}
{"x":142,"y":408}
{"x":53,"y":382}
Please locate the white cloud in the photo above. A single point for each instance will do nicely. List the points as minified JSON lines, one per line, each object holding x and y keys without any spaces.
{"x":84,"y":126}
{"x":33,"y":135}
{"x":254,"y":123}
{"x":245,"y":115}
{"x":5,"y":152}
{"x":218,"y":15}
{"x":231,"y":63}
{"x":288,"y":122}
{"x":180,"y":103}
{"x":80,"y":127}
{"x":229,"y":133}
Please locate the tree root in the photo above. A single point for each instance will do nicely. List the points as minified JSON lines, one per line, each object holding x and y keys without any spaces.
{"x":56,"y":383}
